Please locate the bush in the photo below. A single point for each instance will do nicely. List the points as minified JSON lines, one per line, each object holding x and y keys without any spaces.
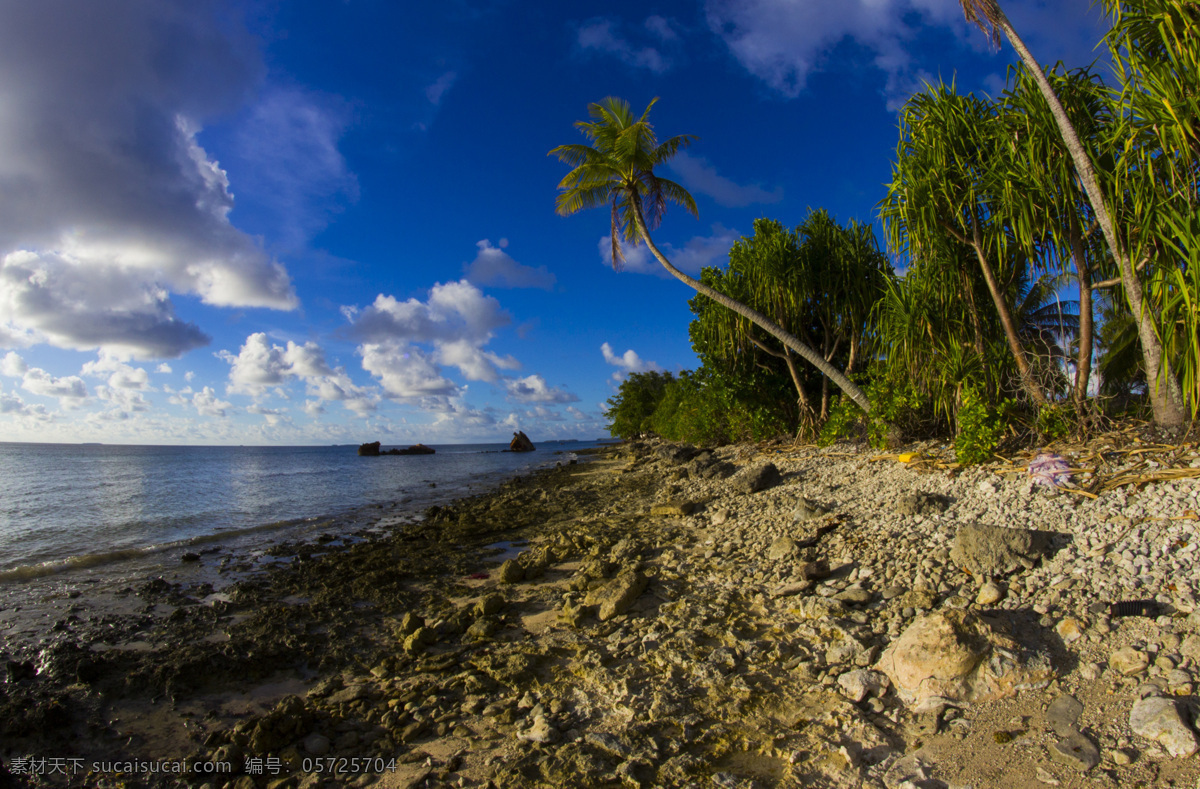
{"x":979,"y":428}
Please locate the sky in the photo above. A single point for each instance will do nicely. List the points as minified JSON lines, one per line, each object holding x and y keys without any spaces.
{"x":228,"y":222}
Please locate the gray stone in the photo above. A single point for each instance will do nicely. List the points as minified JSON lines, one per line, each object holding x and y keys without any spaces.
{"x":1063,"y":713}
{"x":541,"y":731}
{"x":857,"y":685}
{"x":1161,"y":719}
{"x":781,"y":548}
{"x":807,"y":509}
{"x":855,"y":595}
{"x":913,"y":504}
{"x":995,"y":550}
{"x":1129,"y":661}
{"x":1076,"y":751}
{"x":758,"y":478}
{"x":989,"y":594}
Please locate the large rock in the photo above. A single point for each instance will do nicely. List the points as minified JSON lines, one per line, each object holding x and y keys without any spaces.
{"x":756,"y":478}
{"x":618,"y":595}
{"x":958,"y":656}
{"x":1161,"y":720}
{"x":995,"y":550}
{"x":520,"y":442}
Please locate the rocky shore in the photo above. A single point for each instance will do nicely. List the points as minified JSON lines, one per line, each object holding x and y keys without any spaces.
{"x":660,"y":616}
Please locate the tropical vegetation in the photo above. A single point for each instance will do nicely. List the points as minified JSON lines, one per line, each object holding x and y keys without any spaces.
{"x":1049,"y":241}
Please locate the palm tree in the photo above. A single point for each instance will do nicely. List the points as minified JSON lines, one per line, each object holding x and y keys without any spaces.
{"x":1166,"y":398}
{"x":617,"y":170}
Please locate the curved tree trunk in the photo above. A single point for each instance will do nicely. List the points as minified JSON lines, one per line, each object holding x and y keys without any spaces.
{"x":766,"y":324}
{"x":1166,"y":398}
{"x":1083,"y":366}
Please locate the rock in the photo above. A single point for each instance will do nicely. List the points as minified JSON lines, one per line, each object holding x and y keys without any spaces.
{"x":369,"y":450}
{"x":758,"y":478}
{"x":189,"y":557}
{"x":541,"y":731}
{"x":855,"y":595}
{"x":1076,"y":751}
{"x":807,"y":509}
{"x":956,"y":655}
{"x":1069,"y":629}
{"x":857,"y":685}
{"x":782,"y":548}
{"x":317,"y":744}
{"x":673,"y":509}
{"x":1063,"y":713}
{"x":913,"y":504}
{"x":618,"y":595}
{"x":818,"y":608}
{"x":408,"y":623}
{"x":989,"y":594}
{"x":1190,"y":648}
{"x":1162,"y":720}
{"x":511,"y":572}
{"x":1129,"y":661}
{"x":995,"y":550}
{"x":489,"y":605}
{"x":520,"y":442}
{"x":417,"y":640}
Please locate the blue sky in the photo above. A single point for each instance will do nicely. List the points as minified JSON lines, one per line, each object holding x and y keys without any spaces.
{"x":333,"y":222}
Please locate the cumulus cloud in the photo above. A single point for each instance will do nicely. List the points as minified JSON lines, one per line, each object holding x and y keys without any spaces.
{"x":13,"y":365}
{"x":119,"y":375}
{"x":438,"y":89}
{"x":13,"y":405}
{"x":207,"y":403}
{"x":693,"y":256}
{"x":260,"y":365}
{"x":109,"y":203}
{"x":702,"y":178}
{"x":457,"y":321}
{"x":493,"y":267}
{"x":69,"y":390}
{"x":163,"y":368}
{"x":601,"y":35}
{"x":629,"y":361}
{"x":534,"y":389}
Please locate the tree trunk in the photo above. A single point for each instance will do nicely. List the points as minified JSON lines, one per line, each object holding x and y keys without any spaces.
{"x":976,"y":324}
{"x":1083,"y":367}
{"x":760,"y":320}
{"x":1166,"y":398}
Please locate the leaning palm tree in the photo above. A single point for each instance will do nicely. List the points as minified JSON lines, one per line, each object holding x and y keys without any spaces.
{"x":1166,"y":398}
{"x":617,"y":170}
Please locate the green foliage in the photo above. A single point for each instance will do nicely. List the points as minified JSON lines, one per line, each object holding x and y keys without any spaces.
{"x":1056,"y":421}
{"x":896,"y":405}
{"x":631,"y":407}
{"x":844,"y":418}
{"x":980,"y":429}
{"x":705,"y":407}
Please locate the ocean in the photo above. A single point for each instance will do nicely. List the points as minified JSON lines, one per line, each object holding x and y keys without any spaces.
{"x":70,"y":510}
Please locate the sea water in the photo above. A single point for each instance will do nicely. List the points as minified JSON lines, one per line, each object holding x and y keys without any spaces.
{"x":67,"y":508}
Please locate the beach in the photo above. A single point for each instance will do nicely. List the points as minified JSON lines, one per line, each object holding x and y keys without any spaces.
{"x":655,"y":615}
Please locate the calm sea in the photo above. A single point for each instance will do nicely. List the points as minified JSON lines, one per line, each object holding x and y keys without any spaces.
{"x":69,"y":507}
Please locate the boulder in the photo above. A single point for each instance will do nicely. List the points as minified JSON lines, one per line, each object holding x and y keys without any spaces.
{"x":958,"y":656}
{"x":520,"y":442}
{"x":1161,"y":720}
{"x":996,"y":550}
{"x":618,"y":595}
{"x":857,"y":685}
{"x":369,"y":450}
{"x":757,"y":478}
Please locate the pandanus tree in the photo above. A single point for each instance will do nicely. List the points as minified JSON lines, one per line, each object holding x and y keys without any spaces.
{"x":616,"y":169}
{"x":1048,"y":215}
{"x":944,"y":185}
{"x":1166,"y":397}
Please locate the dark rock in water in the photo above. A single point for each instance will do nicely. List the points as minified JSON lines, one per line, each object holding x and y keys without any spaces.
{"x":369,"y":450}
{"x":373,"y":450}
{"x":190,"y":556}
{"x":520,"y":443}
{"x":156,"y":588}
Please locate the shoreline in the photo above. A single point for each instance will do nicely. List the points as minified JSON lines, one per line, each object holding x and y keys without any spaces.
{"x":658,"y":628}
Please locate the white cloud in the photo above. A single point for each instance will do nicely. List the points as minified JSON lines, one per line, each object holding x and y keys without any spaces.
{"x":701,"y":177}
{"x":110,"y":203}
{"x":629,"y":361}
{"x":534,"y":389}
{"x":70,"y":390}
{"x":600,"y":35}
{"x":120,"y":375}
{"x":163,"y":368}
{"x":14,"y":405}
{"x":438,"y":89}
{"x":125,"y":400}
{"x":575,"y":412}
{"x":405,"y":372}
{"x":13,"y":365}
{"x":693,"y":256}
{"x":493,"y":267}
{"x":207,"y":403}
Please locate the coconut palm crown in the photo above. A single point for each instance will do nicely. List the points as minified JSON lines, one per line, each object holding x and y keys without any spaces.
{"x":617,"y":169}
